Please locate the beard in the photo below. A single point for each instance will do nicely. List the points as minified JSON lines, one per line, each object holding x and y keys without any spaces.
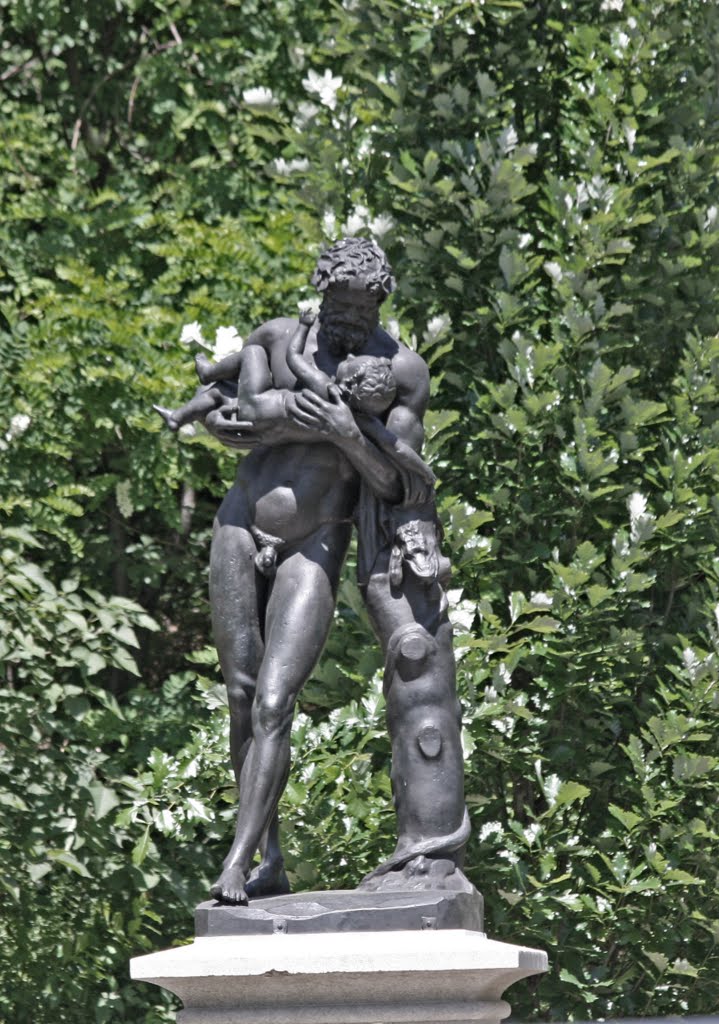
{"x":345,"y":331}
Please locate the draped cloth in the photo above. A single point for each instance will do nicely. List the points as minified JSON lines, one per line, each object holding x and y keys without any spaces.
{"x":377,"y":519}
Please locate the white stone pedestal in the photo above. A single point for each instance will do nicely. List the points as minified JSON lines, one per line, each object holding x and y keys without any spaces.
{"x":423,"y":977}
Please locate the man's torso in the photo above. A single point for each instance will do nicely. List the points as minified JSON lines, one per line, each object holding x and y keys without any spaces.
{"x":292,"y":489}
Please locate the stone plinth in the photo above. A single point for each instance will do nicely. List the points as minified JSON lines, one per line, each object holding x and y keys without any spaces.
{"x":342,"y":910}
{"x":388,"y":977}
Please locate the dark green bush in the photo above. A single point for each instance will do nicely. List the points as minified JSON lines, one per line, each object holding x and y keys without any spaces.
{"x":544,"y":179}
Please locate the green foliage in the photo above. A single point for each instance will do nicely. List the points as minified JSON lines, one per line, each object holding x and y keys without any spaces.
{"x":550,"y":189}
{"x":73,"y":902}
{"x":544,"y":179}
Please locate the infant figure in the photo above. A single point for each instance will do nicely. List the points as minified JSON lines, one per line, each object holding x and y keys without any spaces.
{"x":366,"y":383}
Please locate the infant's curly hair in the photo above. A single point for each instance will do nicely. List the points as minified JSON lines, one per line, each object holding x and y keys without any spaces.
{"x":367,"y":380}
{"x":355,"y":259}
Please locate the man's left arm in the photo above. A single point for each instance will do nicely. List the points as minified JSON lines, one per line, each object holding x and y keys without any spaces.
{"x":406,"y":416}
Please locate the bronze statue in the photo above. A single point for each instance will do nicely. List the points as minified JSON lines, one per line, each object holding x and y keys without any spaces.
{"x":332,"y":414}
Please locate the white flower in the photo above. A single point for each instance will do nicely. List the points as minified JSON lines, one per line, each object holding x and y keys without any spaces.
{"x":309,"y":306}
{"x":193,"y":332}
{"x":532,"y":831}
{"x":490,"y":828}
{"x":381,"y":224}
{"x":356,"y":220}
{"x":259,"y":98}
{"x":306,"y":112}
{"x":392,"y":327}
{"x":325,"y":86}
{"x":508,"y":855}
{"x":329,"y":224}
{"x":554,"y":270}
{"x":436,"y":327}
{"x":227,"y":340}
{"x":123,"y":499}
{"x":18,"y":425}
{"x":287,"y":167}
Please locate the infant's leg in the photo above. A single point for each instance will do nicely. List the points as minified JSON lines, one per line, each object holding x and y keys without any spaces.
{"x":204,"y":401}
{"x":257,"y":398}
{"x":227,"y":368}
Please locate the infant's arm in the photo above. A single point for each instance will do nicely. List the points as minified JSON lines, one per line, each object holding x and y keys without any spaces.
{"x":307,"y":374}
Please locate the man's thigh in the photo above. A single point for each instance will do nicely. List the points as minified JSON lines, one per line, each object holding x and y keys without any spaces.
{"x":301,"y":607}
{"x":237,"y":593}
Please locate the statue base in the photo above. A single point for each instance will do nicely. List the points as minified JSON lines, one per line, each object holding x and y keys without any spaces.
{"x":344,"y":911}
{"x":351,"y":968}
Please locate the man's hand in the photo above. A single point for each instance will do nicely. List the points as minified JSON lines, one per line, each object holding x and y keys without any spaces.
{"x":232,"y":432}
{"x":243,"y":434}
{"x":333,"y":417}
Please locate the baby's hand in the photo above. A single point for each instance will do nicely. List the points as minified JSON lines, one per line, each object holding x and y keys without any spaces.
{"x":307,"y":317}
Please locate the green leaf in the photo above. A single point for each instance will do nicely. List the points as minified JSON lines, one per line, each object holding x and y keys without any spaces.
{"x":628,"y":818}
{"x":141,"y":848}
{"x":68,"y":860}
{"x":104,"y":800}
{"x":570,"y":793}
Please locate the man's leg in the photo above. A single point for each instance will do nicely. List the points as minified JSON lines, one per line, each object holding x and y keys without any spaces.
{"x":298,"y":619}
{"x":238,"y":596}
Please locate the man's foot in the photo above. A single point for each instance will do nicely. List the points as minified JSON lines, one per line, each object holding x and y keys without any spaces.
{"x":168,"y":417}
{"x":230,"y":887}
{"x":204,"y":366}
{"x":268,"y":879}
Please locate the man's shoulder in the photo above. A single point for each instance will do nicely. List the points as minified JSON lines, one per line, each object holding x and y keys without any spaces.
{"x":405,"y":361}
{"x":409,"y":365}
{"x":409,"y":369}
{"x":272,"y":332}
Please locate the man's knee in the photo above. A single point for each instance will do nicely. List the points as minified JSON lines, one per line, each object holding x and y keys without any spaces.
{"x":240,"y":694}
{"x":272,"y":714}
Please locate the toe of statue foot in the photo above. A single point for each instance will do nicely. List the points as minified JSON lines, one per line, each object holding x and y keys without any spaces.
{"x":230,"y":888}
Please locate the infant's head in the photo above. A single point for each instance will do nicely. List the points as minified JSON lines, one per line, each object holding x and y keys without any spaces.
{"x":367,"y":383}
